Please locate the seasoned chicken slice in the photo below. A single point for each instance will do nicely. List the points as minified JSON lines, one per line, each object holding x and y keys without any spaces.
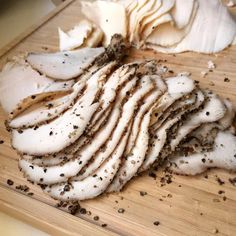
{"x":64,"y":65}
{"x":61,"y":132}
{"x":110,"y":16}
{"x":222,"y":156}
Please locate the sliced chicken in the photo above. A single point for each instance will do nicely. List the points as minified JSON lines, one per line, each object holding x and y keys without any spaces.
{"x":134,"y":160}
{"x":215,"y":25}
{"x":94,"y":185}
{"x":153,"y":7}
{"x":128,"y":110}
{"x":159,"y":138}
{"x":148,"y":24}
{"x":46,"y":110}
{"x":182,"y":12}
{"x":95,"y":38}
{"x":75,"y":37}
{"x":222,"y":156}
{"x":64,"y":65}
{"x":18,"y":78}
{"x":212,"y":111}
{"x":168,"y":34}
{"x":110,"y":16}
{"x":72,"y":123}
{"x":177,"y":87}
{"x":72,"y":167}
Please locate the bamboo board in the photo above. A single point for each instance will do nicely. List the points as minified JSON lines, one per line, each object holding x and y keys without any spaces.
{"x":187,"y":206}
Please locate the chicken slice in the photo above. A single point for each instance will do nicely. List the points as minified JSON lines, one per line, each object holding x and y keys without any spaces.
{"x":128,"y":111}
{"x":215,"y":25}
{"x":46,"y":110}
{"x":64,"y":65}
{"x":18,"y":78}
{"x":75,"y":37}
{"x":167,"y":34}
{"x":222,"y":156}
{"x":66,"y":129}
{"x":159,"y":138}
{"x":94,"y":185}
{"x":82,"y":157}
{"x":95,"y":38}
{"x":110,"y":16}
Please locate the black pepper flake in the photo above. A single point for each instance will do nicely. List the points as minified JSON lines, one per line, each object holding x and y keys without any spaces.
{"x":121,"y":210}
{"x":67,"y":188}
{"x":73,"y":209}
{"x":220,"y":182}
{"x":51,"y":133}
{"x":1,"y":141}
{"x":10,"y":182}
{"x":207,"y":113}
{"x":221,"y":191}
{"x":142,"y":193}
{"x":75,"y":127}
{"x":32,"y":167}
{"x":232,"y":181}
{"x":41,"y":179}
{"x":83,"y":211}
{"x":203,"y":160}
{"x":62,"y":175}
{"x":156,"y":223}
{"x":152,"y":174}
{"x":104,"y":225}
{"x":96,"y":218}
{"x":45,"y":170}
{"x":33,"y":96}
{"x":30,"y":194}
{"x":226,"y":80}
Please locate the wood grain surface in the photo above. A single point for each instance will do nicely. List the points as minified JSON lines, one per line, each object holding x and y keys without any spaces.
{"x":186,"y":206}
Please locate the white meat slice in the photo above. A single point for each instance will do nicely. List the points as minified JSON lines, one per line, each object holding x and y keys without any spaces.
{"x":110,"y":16}
{"x":44,"y":111}
{"x":147,"y":103}
{"x":149,"y":21}
{"x":215,"y":25}
{"x":133,"y":14}
{"x":182,"y":12}
{"x":134,"y":160}
{"x":20,"y":79}
{"x":139,"y":23}
{"x":160,"y":136}
{"x":168,"y":34}
{"x":126,"y":117}
{"x":64,"y":65}
{"x":94,"y":185}
{"x":212,"y":111}
{"x":66,"y":129}
{"x":95,"y":38}
{"x":81,"y":158}
{"x":177,"y":87}
{"x":75,"y":37}
{"x":222,"y":156}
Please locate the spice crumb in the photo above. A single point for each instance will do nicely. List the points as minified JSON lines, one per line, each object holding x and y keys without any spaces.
{"x":1,"y":141}
{"x":96,"y":218}
{"x":121,"y":210}
{"x":104,"y":225}
{"x":156,"y":223}
{"x":10,"y":182}
{"x":142,"y":193}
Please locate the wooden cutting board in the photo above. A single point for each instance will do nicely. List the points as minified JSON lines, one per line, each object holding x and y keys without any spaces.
{"x":186,"y":206}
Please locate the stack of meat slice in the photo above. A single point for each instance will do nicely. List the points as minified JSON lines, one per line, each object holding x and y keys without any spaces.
{"x":114,"y":121}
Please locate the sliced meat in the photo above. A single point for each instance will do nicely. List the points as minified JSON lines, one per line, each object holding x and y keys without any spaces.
{"x":215,"y":25}
{"x":75,"y":37}
{"x":64,"y":65}
{"x":110,"y":16}
{"x":212,"y":111}
{"x":177,"y":87}
{"x":134,"y":160}
{"x":128,"y":110}
{"x":95,"y":38}
{"x":167,"y":34}
{"x":82,"y":157}
{"x":18,"y":78}
{"x":61,"y":132}
{"x":159,"y":138}
{"x":46,"y":110}
{"x":94,"y":185}
{"x":222,"y":156}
